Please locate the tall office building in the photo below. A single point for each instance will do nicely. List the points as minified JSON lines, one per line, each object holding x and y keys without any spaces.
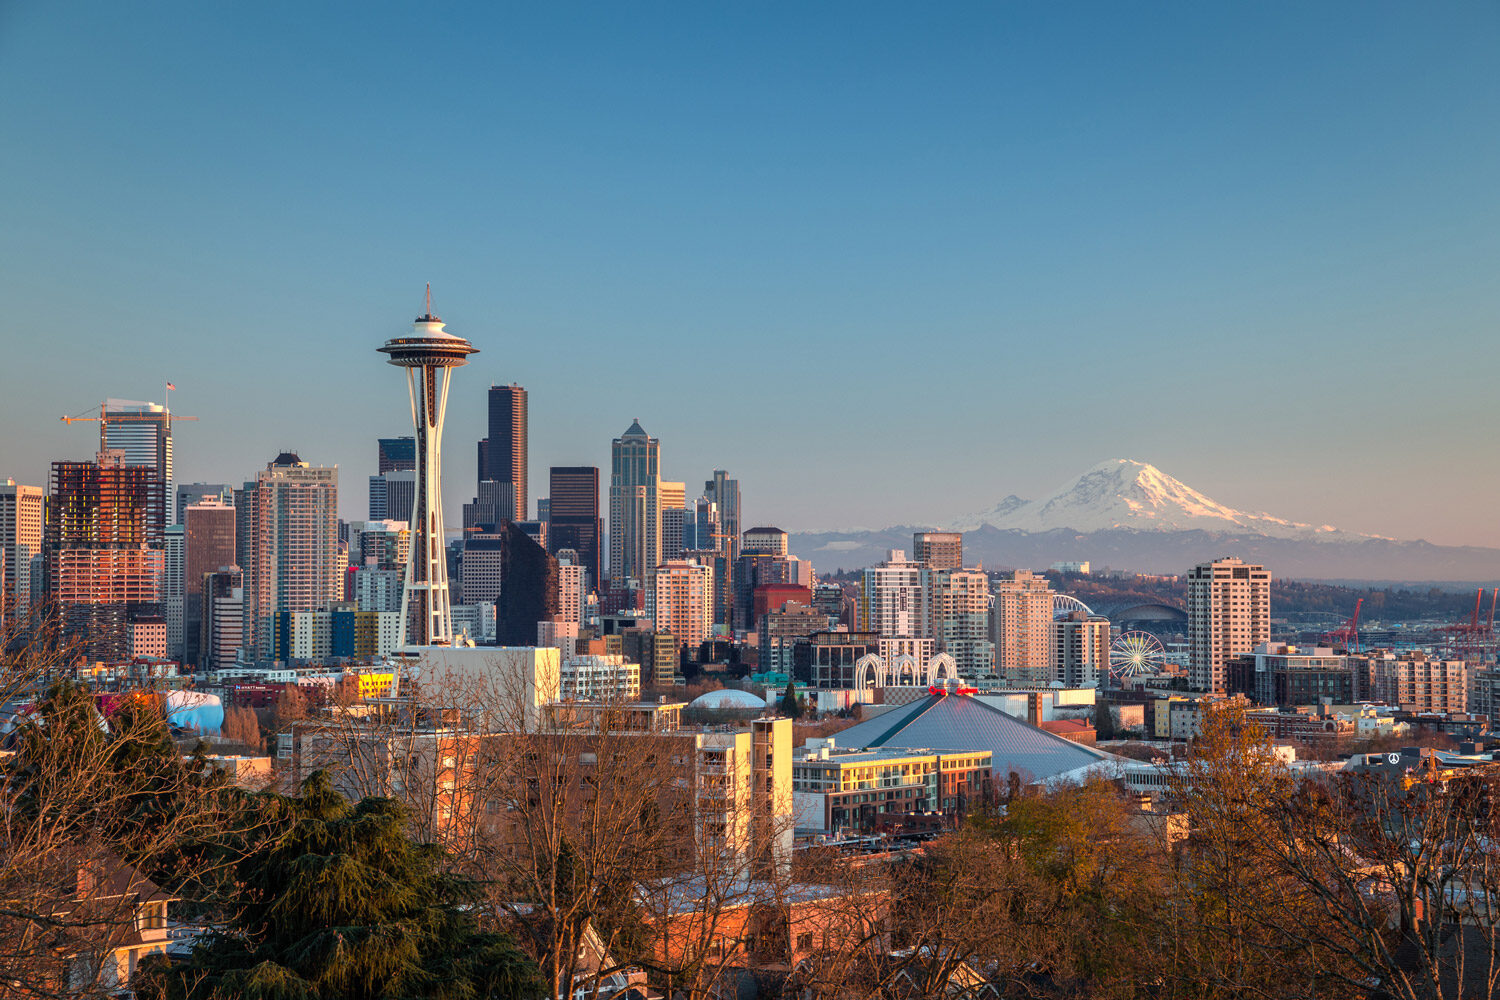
{"x":287,"y":540}
{"x":103,"y":543}
{"x":634,"y":506}
{"x":672,"y":500}
{"x":506,"y":568}
{"x":960,"y":610}
{"x":725,"y":494}
{"x":191,"y":493}
{"x":938,"y":549}
{"x":494,"y":504}
{"x":21,"y":509}
{"x":392,"y":495}
{"x":771,"y":541}
{"x":702,"y":531}
{"x":429,"y":356}
{"x":502,"y":455}
{"x":680,"y":601}
{"x":208,"y":546}
{"x":397,"y":454}
{"x":893,"y":598}
{"x":1229,"y":614}
{"x":142,"y":433}
{"x":1021,"y":628}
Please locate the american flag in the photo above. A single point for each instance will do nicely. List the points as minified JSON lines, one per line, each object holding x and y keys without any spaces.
{"x":172,"y":386}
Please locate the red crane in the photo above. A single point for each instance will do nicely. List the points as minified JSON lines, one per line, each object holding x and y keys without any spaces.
{"x":1347,"y":633}
{"x":1474,"y":639}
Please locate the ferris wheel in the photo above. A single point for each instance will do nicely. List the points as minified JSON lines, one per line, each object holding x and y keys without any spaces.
{"x":1136,"y":653}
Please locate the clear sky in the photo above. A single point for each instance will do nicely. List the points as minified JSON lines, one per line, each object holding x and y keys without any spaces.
{"x":886,"y":263}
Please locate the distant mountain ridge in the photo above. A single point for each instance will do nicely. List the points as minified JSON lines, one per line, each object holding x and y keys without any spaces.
{"x":1130,"y":515}
{"x":1122,"y":493}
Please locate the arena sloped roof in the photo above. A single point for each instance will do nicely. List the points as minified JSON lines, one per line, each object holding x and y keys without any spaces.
{"x":958,"y":722}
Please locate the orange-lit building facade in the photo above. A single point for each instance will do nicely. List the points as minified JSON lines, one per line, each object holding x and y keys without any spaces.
{"x":104,"y":551}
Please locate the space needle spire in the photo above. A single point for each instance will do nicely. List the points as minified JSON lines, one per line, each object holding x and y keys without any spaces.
{"x":429,"y":355}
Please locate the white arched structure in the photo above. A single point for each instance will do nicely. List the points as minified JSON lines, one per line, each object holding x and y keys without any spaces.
{"x":1065,"y":604}
{"x":904,"y":670}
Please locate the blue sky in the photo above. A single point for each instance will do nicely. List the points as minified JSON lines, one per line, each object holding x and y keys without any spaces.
{"x":885,"y":262}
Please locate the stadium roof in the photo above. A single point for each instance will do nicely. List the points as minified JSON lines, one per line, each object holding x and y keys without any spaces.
{"x":959,"y":722}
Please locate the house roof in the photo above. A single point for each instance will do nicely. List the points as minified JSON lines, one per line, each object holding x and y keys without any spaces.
{"x":958,"y":722}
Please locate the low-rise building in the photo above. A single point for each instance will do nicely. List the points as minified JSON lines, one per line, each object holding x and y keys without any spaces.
{"x":835,"y":789}
{"x":600,"y":678}
{"x":1287,"y":675}
{"x":1415,"y":681}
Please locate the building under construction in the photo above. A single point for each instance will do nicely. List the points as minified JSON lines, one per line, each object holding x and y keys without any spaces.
{"x":104,"y":550}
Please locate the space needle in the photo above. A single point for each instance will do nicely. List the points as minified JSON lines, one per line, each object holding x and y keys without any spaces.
{"x":429,"y":354}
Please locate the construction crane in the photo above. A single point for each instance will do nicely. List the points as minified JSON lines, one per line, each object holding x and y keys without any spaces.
{"x":1347,"y":633}
{"x":105,"y":418}
{"x":1474,"y":639}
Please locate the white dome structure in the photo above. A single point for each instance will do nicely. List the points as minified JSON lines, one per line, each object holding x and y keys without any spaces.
{"x":728,"y":698}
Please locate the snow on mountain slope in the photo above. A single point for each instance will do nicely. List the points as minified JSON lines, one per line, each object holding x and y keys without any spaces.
{"x":1121,"y":493}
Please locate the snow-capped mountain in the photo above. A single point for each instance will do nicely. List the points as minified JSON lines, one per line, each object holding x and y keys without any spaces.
{"x":1122,"y":494}
{"x":1130,"y":515}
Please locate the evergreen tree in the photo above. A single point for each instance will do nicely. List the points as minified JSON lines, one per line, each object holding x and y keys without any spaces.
{"x":345,"y":906}
{"x":789,"y":703}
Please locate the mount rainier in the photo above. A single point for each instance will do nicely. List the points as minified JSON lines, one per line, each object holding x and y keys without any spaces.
{"x":1131,"y":515}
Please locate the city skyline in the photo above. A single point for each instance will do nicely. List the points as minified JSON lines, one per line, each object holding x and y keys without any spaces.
{"x":1077,"y":218}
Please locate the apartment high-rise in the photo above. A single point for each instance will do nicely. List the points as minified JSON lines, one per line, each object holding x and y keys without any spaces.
{"x":570,"y":587}
{"x":1229,"y":614}
{"x":893,"y":597}
{"x":208,"y":546}
{"x":21,"y":509}
{"x":1021,"y":627}
{"x":221,"y":633}
{"x":103,"y":544}
{"x":573,"y":516}
{"x":634,"y":506}
{"x":502,"y":455}
{"x":680,"y":601}
{"x":1080,"y":649}
{"x":960,"y":611}
{"x":170,"y":591}
{"x":287,"y":540}
{"x":938,"y":549}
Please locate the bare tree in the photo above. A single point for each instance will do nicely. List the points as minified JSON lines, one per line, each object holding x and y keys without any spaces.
{"x":100,"y":818}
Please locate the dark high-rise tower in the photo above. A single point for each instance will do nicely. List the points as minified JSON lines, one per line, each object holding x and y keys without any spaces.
{"x":725,"y":493}
{"x":574,"y":519}
{"x":502,"y":455}
{"x":396,"y":454}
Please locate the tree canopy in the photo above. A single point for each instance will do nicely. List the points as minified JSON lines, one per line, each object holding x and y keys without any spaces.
{"x":344,"y":905}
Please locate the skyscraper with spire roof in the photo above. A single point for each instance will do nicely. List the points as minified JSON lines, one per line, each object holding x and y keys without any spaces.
{"x":634,"y":506}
